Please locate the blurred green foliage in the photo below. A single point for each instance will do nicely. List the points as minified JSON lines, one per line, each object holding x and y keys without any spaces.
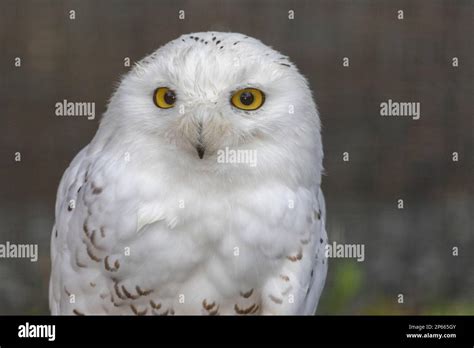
{"x":344,"y":294}
{"x":344,"y":285}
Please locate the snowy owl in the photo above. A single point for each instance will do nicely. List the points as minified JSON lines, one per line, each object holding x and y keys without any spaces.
{"x":200,"y":192}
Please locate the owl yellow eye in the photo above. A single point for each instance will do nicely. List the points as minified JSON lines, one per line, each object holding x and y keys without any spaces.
{"x":164,"y":98}
{"x":248,"y":99}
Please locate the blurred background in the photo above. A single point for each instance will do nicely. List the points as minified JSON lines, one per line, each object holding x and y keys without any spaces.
{"x":407,"y":251}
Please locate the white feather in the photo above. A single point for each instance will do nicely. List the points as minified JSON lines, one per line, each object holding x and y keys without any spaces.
{"x":157,"y":230}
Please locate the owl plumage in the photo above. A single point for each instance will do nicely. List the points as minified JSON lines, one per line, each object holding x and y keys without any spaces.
{"x":149,"y":221}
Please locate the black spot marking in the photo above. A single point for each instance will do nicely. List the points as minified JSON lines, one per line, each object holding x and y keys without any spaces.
{"x":246,"y":294}
{"x":85,"y":228}
{"x":196,"y":38}
{"x":214,"y":38}
{"x":69,"y":208}
{"x":312,"y":272}
{"x":289,"y":66}
{"x":218,"y":42}
{"x":97,"y":190}
{"x":205,"y":42}
{"x":202,"y":40}
{"x":192,"y":37}
{"x":321,"y":240}
{"x":154,"y":305}
{"x":76,"y":312}
{"x":235,"y":43}
{"x":221,"y":47}
{"x":79,"y":190}
{"x":56,"y":234}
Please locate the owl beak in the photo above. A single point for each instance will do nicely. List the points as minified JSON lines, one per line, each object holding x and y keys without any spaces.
{"x":200,"y":147}
{"x":200,"y":150}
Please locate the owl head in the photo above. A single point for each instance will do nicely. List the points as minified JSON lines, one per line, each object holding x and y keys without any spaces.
{"x":209,"y":92}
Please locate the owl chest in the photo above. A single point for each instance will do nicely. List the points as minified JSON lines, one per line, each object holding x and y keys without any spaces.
{"x":224,"y":233}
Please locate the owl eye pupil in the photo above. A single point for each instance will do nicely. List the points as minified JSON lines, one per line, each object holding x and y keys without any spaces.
{"x":246,"y":98}
{"x":170,"y":97}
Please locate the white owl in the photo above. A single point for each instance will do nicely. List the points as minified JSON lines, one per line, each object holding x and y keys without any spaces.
{"x":163,"y":213}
